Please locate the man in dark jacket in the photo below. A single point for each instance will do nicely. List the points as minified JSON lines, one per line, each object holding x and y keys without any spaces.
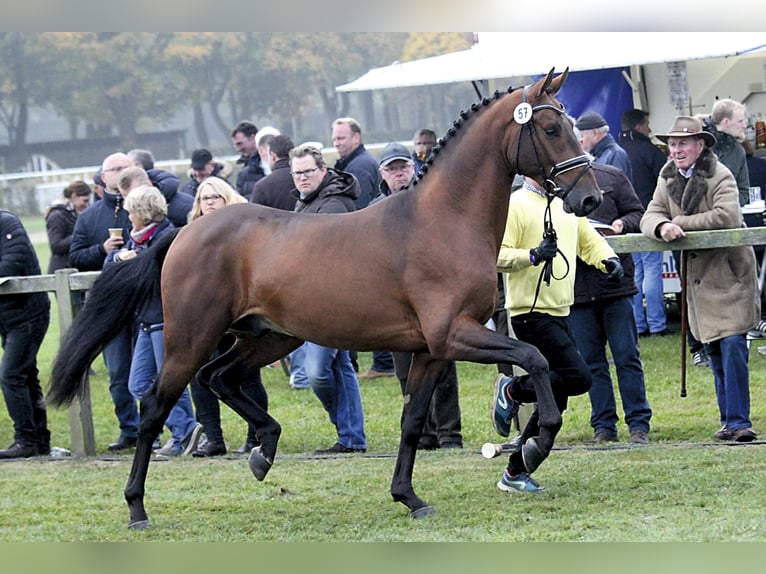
{"x":24,"y":321}
{"x":91,"y":242}
{"x":354,"y":158}
{"x":603,"y":313}
{"x":276,"y":189}
{"x":203,"y":165}
{"x":243,"y":137}
{"x":320,"y":189}
{"x":179,"y":205}
{"x":646,"y":160}
{"x":727,"y":123}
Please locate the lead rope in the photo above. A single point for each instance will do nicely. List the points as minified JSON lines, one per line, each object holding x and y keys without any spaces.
{"x":546,"y":273}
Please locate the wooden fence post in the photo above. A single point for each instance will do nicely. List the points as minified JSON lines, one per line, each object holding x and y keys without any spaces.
{"x":82,"y":436}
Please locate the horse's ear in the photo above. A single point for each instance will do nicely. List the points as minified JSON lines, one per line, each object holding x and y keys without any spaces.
{"x":546,"y":83}
{"x":558,"y":82}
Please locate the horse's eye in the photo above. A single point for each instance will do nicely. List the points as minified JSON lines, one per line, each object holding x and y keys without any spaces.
{"x":552,"y":131}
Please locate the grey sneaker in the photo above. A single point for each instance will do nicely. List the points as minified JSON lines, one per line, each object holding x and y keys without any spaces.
{"x":723,"y":434}
{"x":504,"y":407}
{"x":523,"y":482}
{"x":639,"y":436}
{"x":700,"y":359}
{"x":192,"y":441}
{"x":169,"y":449}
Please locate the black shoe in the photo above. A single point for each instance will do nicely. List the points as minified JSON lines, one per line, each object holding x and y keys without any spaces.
{"x":644,"y":333}
{"x":338,"y":448}
{"x":18,"y":450}
{"x":451,"y":445}
{"x":249,"y":445}
{"x":428,"y":443}
{"x":210,"y":449}
{"x":44,"y":449}
{"x":663,"y":333}
{"x":124,"y":442}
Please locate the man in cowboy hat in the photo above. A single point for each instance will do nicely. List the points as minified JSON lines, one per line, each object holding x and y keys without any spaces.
{"x":695,"y":191}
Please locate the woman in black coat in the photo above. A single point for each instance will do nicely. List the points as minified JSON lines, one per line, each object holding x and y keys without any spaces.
{"x":59,"y":222}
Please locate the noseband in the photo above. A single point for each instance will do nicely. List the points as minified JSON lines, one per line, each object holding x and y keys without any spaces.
{"x":524,"y":115}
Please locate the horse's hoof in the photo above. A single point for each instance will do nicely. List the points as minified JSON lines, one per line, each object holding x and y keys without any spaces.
{"x":140,"y":525}
{"x":531,"y":455}
{"x":423,"y":511}
{"x":259,"y":464}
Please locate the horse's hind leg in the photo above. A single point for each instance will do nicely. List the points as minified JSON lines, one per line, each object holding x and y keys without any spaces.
{"x":424,"y":374}
{"x":235,"y":379}
{"x":156,"y":405}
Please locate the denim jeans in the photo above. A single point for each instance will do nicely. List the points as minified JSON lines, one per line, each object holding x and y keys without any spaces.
{"x":611,"y":321}
{"x":117,"y":357}
{"x":147,"y":360}
{"x":728,"y":361}
{"x":334,"y":382}
{"x":298,"y":379}
{"x":382,"y":361}
{"x":648,"y":277}
{"x":20,"y":381}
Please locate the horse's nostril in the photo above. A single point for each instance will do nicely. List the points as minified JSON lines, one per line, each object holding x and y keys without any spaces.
{"x":590,"y":203}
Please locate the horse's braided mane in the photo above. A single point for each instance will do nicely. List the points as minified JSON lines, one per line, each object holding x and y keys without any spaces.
{"x":456,"y":125}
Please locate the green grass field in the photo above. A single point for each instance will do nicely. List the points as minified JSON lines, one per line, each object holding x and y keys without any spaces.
{"x":682,"y":487}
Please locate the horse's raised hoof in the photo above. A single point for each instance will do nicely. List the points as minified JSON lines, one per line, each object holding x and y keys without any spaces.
{"x":531,"y":455}
{"x":140,"y":525}
{"x":423,"y":511}
{"x":259,"y":464}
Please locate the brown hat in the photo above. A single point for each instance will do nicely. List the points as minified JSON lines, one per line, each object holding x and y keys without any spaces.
{"x":687,"y":126}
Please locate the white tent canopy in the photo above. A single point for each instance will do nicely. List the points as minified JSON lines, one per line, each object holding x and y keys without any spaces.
{"x":513,"y":54}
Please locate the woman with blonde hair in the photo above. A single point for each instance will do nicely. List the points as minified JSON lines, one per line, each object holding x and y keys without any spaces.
{"x":148,"y":213}
{"x":213,"y":193}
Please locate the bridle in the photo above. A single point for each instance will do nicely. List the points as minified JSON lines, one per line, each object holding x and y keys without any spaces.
{"x":524,"y":115}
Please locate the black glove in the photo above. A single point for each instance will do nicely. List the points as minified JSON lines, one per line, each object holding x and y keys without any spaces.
{"x":614,"y":270}
{"x":546,"y":250}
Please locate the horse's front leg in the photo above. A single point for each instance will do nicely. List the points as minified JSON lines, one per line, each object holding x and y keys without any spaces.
{"x":472,"y":341}
{"x":425,"y":372}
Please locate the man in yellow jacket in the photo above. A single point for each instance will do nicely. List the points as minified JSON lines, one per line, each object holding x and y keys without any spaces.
{"x":539,"y":275}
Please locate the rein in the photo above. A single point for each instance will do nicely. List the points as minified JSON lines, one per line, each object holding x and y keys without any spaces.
{"x":546,"y":273}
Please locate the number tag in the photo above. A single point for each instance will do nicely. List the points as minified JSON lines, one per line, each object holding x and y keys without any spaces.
{"x":523,"y":113}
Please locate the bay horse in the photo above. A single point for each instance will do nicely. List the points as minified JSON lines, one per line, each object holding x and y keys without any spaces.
{"x":414,"y":273}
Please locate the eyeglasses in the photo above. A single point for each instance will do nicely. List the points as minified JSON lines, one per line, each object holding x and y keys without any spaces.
{"x":116,"y":168}
{"x":214,"y":197}
{"x":305,"y":172}
{"x":397,"y":168}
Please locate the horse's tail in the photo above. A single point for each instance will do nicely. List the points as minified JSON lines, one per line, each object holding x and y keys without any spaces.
{"x":111,"y":304}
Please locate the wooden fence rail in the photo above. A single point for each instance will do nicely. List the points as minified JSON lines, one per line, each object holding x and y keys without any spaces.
{"x":66,"y":281}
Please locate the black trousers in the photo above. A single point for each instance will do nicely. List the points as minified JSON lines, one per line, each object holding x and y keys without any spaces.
{"x":20,"y":381}
{"x":569,"y":373}
{"x":443,"y":422}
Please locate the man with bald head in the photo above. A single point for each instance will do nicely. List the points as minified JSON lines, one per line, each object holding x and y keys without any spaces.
{"x":91,"y":242}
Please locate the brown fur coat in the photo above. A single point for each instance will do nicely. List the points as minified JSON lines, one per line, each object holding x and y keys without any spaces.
{"x":721,"y":284}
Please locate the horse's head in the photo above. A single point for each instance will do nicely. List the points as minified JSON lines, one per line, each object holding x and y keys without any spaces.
{"x":547,"y":149}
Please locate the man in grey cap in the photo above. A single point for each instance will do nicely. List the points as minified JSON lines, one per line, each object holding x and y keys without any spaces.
{"x":595,"y":140}
{"x":396,"y":168}
{"x":443,"y":426}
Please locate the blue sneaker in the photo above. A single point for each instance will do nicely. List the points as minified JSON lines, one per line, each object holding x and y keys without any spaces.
{"x":520,"y":483}
{"x":504,"y":407}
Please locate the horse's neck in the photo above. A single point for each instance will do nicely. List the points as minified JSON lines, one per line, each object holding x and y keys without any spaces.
{"x":471,"y":181}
